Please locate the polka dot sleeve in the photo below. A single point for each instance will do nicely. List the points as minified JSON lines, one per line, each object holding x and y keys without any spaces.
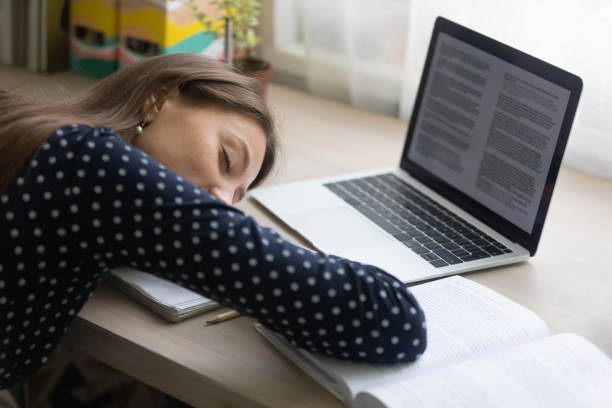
{"x":90,"y":202}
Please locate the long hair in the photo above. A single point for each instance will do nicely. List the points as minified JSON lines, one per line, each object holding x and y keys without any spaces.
{"x":118,"y":102}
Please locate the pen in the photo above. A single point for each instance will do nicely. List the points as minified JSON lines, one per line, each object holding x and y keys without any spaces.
{"x":221,"y":317}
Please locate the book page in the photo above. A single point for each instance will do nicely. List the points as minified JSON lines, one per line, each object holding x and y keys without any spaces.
{"x":463,"y":318}
{"x":561,"y":371}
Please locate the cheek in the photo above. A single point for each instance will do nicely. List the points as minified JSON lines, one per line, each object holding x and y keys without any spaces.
{"x":199,"y":165}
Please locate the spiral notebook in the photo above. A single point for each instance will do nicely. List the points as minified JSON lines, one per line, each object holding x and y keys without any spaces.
{"x":171,"y":301}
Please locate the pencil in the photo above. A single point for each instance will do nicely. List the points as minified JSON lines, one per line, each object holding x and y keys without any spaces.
{"x":221,"y":317}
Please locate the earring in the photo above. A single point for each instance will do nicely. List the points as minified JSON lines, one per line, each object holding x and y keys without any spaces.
{"x":141,"y":125}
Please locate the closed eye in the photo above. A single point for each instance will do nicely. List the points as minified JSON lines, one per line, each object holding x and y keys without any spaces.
{"x":228,"y":163}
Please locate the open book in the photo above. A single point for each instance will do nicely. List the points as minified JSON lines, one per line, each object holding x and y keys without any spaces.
{"x":484,"y":350}
{"x":170,"y":300}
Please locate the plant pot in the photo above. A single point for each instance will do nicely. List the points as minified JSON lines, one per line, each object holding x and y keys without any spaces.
{"x":255,"y":68}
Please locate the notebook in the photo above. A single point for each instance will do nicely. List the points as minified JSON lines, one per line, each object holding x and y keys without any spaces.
{"x":481,"y":157}
{"x":173,"y":302}
{"x":484,"y":350}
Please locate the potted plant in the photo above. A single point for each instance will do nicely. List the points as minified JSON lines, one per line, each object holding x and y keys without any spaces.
{"x":244,"y":17}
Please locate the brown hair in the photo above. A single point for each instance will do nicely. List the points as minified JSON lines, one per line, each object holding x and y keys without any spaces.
{"x":118,"y":102}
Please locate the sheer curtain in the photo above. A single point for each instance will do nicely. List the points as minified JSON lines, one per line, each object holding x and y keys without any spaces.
{"x":355,"y":50}
{"x":371,"y":53}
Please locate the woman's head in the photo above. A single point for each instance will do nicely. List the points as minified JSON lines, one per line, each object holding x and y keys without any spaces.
{"x":212,"y":146}
{"x":191,"y":105}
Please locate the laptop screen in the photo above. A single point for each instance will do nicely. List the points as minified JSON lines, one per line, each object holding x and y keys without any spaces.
{"x":488,"y":123}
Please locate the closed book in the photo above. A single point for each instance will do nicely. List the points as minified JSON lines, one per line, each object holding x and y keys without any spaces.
{"x":168,"y":299}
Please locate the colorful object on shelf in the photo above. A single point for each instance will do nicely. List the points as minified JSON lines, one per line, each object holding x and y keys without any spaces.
{"x":94,"y":36}
{"x":154,"y":27}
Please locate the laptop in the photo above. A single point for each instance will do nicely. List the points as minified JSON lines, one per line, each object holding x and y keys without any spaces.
{"x":482,"y":154}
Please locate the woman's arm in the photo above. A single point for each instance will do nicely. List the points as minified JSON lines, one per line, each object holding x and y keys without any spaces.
{"x":135,"y":212}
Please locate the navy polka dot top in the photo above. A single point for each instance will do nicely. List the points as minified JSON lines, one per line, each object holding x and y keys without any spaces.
{"x":88,"y":202}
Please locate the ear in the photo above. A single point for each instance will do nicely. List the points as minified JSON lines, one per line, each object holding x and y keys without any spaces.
{"x":155,"y":102}
{"x":153,"y":105}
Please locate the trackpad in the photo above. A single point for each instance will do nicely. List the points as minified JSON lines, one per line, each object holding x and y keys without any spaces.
{"x":338,"y":229}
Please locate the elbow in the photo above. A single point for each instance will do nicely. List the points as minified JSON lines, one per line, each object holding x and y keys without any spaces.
{"x":413,"y":342}
{"x":405,"y":342}
{"x":401,"y":328}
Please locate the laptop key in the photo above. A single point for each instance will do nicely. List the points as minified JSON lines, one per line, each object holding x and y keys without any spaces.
{"x":429,"y":257}
{"x":402,"y":236}
{"x":420,"y":250}
{"x":460,"y":252}
{"x":470,"y":248}
{"x":411,"y":244}
{"x":450,"y":246}
{"x":491,"y":249}
{"x":432,"y":246}
{"x":447,"y":256}
{"x":423,"y":239}
{"x":438,"y":263}
{"x":462,"y":241}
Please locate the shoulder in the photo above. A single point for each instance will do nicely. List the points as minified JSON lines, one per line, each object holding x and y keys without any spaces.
{"x":82,"y":144}
{"x":100,"y":157}
{"x":76,"y":134}
{"x":80,"y":150}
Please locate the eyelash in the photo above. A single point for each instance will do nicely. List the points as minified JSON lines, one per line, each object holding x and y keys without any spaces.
{"x":228,"y":163}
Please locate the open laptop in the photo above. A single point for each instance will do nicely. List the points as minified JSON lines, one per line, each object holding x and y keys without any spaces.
{"x":482,"y":153}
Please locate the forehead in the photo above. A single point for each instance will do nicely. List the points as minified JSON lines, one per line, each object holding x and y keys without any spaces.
{"x":216,"y":124}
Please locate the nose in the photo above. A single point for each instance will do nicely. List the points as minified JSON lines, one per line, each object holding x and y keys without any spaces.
{"x":221,"y":195}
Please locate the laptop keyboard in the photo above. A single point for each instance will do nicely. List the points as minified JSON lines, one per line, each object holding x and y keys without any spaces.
{"x":428,"y":229}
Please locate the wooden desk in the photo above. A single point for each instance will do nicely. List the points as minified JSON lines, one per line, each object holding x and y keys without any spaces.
{"x":568,"y":283}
